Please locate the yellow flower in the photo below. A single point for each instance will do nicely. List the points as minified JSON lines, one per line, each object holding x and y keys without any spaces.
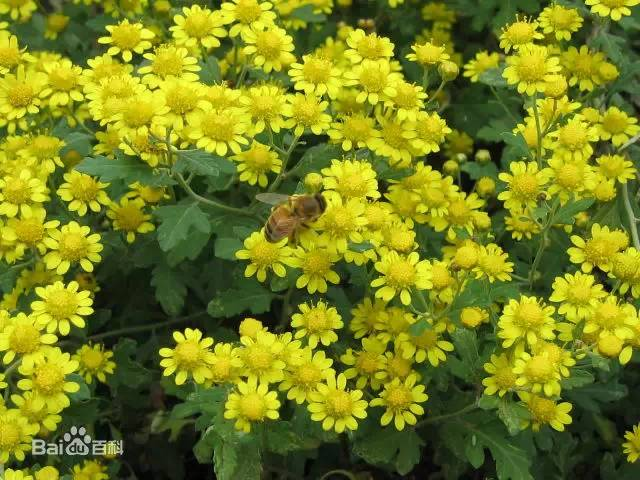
{"x":129,"y":216}
{"x":407,"y":101}
{"x":23,"y":337}
{"x":493,"y":263}
{"x":190,"y":357}
{"x":10,"y":474}
{"x":615,"y":9}
{"x":431,"y":131}
{"x":197,"y":27}
{"x":610,"y":317}
{"x":335,"y":406}
{"x":251,"y":403}
{"x":169,"y":61}
{"x":12,"y":54}
{"x":530,"y":68}
{"x":261,"y":357}
{"x":523,"y":31}
{"x":306,"y":112}
{"x":126,"y":39}
{"x":46,"y":378}
{"x":64,"y":83}
{"x":367,"y":317}
{"x":617,"y":126}
{"x":396,"y":141}
{"x":626,"y":269}
{"x":317,"y":323}
{"x":577,"y":294}
{"x":218,"y":131}
{"x":582,"y":67}
{"x":16,"y":437}
{"x":56,"y":23}
{"x":363,"y":46}
{"x":225,"y":363}
{"x":303,"y":377}
{"x":482,"y":62}
{"x":30,"y":229}
{"x":366,"y":365}
{"x":524,"y":184}
{"x":70,"y":245}
{"x":573,"y":140}
{"x":255,"y":163}
{"x":538,"y":373}
{"x":429,"y":345}
{"x":560,"y":20}
{"x":546,"y":412}
{"x":598,"y":251}
{"x":265,"y":104}
{"x":375,"y":80}
{"x":83,"y":193}
{"x":428,"y":54}
{"x":61,"y":306}
{"x":269,"y":47}
{"x":94,"y":361}
{"x":19,"y":95}
{"x":570,"y":178}
{"x":18,"y":11}
{"x":526,"y":319}
{"x":400,"y":274}
{"x":89,"y":470}
{"x":473,"y":317}
{"x":265,"y":256}
{"x":502,"y":379}
{"x":616,"y":167}
{"x":402,"y":402}
{"x":631,"y":448}
{"x":316,"y":262}
{"x":351,"y":179}
{"x":18,"y":193}
{"x":316,"y":75}
{"x":245,"y":14}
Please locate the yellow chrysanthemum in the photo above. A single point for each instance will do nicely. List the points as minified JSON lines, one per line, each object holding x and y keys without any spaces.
{"x":251,"y":403}
{"x":530,"y":68}
{"x":70,"y":245}
{"x":83,"y":193}
{"x":62,"y":305}
{"x":191,"y":357}
{"x":615,"y":9}
{"x":502,"y":379}
{"x":402,"y":402}
{"x":526,"y":319}
{"x":336,"y":406}
{"x":317,"y":323}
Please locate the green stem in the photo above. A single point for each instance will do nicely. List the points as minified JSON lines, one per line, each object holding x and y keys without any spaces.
{"x":503,"y":105}
{"x":220,"y":206}
{"x":538,"y":131}
{"x":439,"y":418}
{"x":543,"y":243}
{"x":631,"y":216}
{"x":283,"y":173}
{"x":144,"y":328}
{"x":344,"y":473}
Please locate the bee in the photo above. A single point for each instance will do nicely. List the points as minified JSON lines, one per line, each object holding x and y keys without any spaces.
{"x":290,"y":214}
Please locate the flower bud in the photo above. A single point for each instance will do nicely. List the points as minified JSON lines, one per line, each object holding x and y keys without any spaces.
{"x":448,"y":71}
{"x":250,"y":327}
{"x":450,"y":167}
{"x":313,"y":182}
{"x":486,"y":187}
{"x":483,"y":156}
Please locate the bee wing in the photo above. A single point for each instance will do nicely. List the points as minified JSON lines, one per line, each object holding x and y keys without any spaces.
{"x":272,"y":198}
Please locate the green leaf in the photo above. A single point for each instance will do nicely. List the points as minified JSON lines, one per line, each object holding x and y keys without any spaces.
{"x":251,"y":296}
{"x":466,"y":346}
{"x":170,"y":288}
{"x":477,"y":170}
{"x":565,"y":214}
{"x":203,"y":163}
{"x":474,"y":453}
{"x":189,"y":248}
{"x":591,"y":396}
{"x":78,"y":141}
{"x":226,"y":248}
{"x":316,"y":158}
{"x":210,"y":71}
{"x":513,"y":415}
{"x":178,"y":221}
{"x":127,"y":169}
{"x":8,"y":276}
{"x":306,"y":14}
{"x":238,"y":460}
{"x":83,"y":393}
{"x":281,"y":438}
{"x":128,"y":372}
{"x":578,"y":378}
{"x":493,"y":77}
{"x":516,"y":142}
{"x":390,"y":446}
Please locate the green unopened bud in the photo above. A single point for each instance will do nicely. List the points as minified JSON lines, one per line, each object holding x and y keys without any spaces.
{"x":483,"y":156}
{"x":486,"y":187}
{"x":460,"y":157}
{"x":313,"y":182}
{"x":448,"y":71}
{"x":450,"y":166}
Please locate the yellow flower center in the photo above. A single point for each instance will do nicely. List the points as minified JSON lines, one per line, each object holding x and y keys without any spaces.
{"x":72,"y":246}
{"x":392,"y":135}
{"x":519,"y":33}
{"x":529,"y":315}
{"x":317,"y":321}
{"x":9,"y":57}
{"x":399,"y":367}
{"x":459,"y":212}
{"x":373,"y":79}
{"x":428,"y":53}
{"x":371,"y":47}
{"x":259,"y":159}
{"x":247,"y":11}
{"x":401,"y":274}
{"x":264,"y":254}
{"x":504,"y":378}
{"x":406,"y":96}
{"x":367,"y":363}
{"x":614,"y":122}
{"x":466,"y":257}
{"x":20,"y":95}
{"x":626,"y":268}
{"x":221,"y":369}
{"x":400,"y":240}
{"x":61,"y":304}
{"x":269,"y":44}
{"x":130,"y":217}
{"x":525,"y":186}
{"x":17,"y":191}
{"x":542,"y":409}
{"x":44,"y":146}
{"x":48,"y":379}
{"x":187,"y":353}
{"x":430,"y":129}
{"x":181,"y":100}
{"x":597,"y":251}
{"x":126,"y":36}
{"x":609,"y":316}
{"x":138,"y":113}
{"x":308,"y":374}
{"x":63,"y":79}
{"x":25,"y":338}
{"x":573,"y":136}
{"x":258,"y":358}
{"x":441,"y":277}
{"x":532,"y":68}
{"x":316,"y":70}
{"x":316,"y":263}
{"x":579,"y":293}
{"x":356,"y":128}
{"x":539,"y":369}
{"x":339,"y":404}
{"x":197,"y":24}
{"x":10,"y":435}
{"x":217,"y":126}
{"x":92,"y":359}
{"x":84,"y":188}
{"x":569,"y":176}
{"x":306,"y":112}
{"x":427,"y":339}
{"x":29,"y":230}
{"x":167,"y":62}
{"x":264,"y":106}
{"x":252,"y":406}
{"x":561,"y":18}
{"x":583,"y":65}
{"x":398,"y":397}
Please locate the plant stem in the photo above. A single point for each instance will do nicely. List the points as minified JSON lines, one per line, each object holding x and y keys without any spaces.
{"x":632,"y":218}
{"x":283,"y":173}
{"x":543,"y":243}
{"x":439,"y":418}
{"x":144,"y":328}
{"x":344,"y":473}
{"x":221,"y":206}
{"x":538,"y":131}
{"x":503,"y":105}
